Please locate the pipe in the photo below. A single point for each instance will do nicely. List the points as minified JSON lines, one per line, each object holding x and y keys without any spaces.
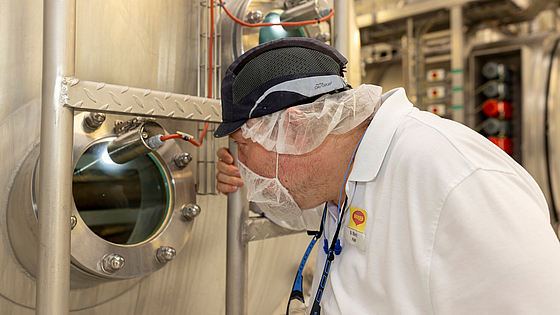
{"x":457,"y":64}
{"x":409,"y":60}
{"x":55,"y":177}
{"x":237,"y":250}
{"x":342,"y":26}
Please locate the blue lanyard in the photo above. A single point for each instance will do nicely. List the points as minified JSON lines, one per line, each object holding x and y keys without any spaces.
{"x":334,"y":249}
{"x":297,"y":287}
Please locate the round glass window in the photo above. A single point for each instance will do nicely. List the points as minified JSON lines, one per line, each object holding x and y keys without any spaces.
{"x":122,"y":203}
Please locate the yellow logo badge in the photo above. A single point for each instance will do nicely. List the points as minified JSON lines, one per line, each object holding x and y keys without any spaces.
{"x":358,"y":218}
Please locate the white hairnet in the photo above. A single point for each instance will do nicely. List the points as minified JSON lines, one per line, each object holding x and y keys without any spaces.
{"x":300,"y":129}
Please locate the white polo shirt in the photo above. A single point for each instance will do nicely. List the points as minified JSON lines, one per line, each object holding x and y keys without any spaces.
{"x":451,"y":225}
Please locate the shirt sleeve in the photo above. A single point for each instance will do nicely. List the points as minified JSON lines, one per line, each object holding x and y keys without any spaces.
{"x":494,"y":250}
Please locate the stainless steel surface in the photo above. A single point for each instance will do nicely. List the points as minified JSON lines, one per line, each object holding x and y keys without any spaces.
{"x":261,"y":228}
{"x":110,"y":98}
{"x":134,"y":143}
{"x":94,"y":120}
{"x":53,"y":264}
{"x":457,"y":64}
{"x":112,"y":263}
{"x":237,"y":249}
{"x":165,"y":254}
{"x":182,"y":160}
{"x":190,"y":211}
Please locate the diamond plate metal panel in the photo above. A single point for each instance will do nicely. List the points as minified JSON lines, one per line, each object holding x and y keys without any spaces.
{"x":102,"y":97}
{"x":261,"y":228}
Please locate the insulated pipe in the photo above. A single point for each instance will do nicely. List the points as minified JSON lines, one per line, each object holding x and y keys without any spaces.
{"x":236,"y":252}
{"x":457,"y":64}
{"x":55,"y":177}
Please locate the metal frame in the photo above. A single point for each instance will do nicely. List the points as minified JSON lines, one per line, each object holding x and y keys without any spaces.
{"x":62,"y":95}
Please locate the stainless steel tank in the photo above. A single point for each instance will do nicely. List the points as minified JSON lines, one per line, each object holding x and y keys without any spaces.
{"x":150,"y":44}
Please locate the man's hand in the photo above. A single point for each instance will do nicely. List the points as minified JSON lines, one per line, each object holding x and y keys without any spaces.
{"x":228,"y":175}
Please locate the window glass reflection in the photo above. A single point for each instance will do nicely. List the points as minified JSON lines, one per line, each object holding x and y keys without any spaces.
{"x":122,"y":203}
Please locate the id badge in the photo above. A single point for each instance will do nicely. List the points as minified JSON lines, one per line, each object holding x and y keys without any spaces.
{"x":355,"y":231}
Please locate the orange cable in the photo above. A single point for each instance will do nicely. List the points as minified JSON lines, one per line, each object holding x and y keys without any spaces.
{"x":273,"y":24}
{"x":173,"y":136}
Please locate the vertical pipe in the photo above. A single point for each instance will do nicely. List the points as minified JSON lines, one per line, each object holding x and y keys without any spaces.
{"x":342,"y":26}
{"x":236,"y":253}
{"x":457,"y":64}
{"x":408,"y":60}
{"x":55,"y":177}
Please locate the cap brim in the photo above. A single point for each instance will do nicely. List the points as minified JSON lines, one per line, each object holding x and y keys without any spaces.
{"x":227,"y":128}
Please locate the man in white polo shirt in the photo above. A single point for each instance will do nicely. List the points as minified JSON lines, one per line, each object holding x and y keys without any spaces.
{"x":422,"y":215}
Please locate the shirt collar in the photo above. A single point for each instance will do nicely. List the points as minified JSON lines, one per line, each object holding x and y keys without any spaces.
{"x":378,"y":136}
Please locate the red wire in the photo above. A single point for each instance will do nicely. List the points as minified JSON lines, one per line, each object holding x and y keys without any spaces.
{"x":173,"y":136}
{"x":198,"y":144}
{"x":273,"y":24}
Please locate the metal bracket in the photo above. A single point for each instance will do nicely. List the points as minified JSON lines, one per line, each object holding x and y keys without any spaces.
{"x":101,"y":97}
{"x":125,"y":126}
{"x":261,"y":228}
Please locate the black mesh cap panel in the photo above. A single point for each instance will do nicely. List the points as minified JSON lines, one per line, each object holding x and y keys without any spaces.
{"x":281,"y":62}
{"x":254,"y":86}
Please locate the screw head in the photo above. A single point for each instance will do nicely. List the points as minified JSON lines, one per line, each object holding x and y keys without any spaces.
{"x":190,"y":211}
{"x":94,"y":120}
{"x":165,"y":254}
{"x":254,"y":16}
{"x":111,"y":263}
{"x":181,"y":160}
{"x":145,"y":135}
{"x":73,"y":222}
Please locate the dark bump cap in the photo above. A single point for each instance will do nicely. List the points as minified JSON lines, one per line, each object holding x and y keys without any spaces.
{"x":253,"y":73}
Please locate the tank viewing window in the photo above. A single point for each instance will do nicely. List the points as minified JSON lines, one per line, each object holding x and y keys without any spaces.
{"x":122,"y":203}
